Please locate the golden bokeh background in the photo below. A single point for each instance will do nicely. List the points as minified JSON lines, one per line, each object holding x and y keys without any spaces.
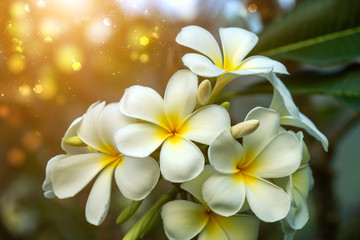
{"x":57,"y":57}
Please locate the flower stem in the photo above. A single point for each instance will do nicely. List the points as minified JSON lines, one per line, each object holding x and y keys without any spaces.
{"x":139,"y":227}
{"x":220,"y":83}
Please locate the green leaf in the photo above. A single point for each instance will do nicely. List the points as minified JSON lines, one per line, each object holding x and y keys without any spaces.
{"x":343,"y":86}
{"x":351,"y":102}
{"x":318,"y":32}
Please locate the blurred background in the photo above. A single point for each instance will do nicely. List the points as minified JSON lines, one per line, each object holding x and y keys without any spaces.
{"x":59,"y":56}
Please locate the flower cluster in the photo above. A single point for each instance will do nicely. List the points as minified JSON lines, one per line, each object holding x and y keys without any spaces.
{"x":226,"y":178}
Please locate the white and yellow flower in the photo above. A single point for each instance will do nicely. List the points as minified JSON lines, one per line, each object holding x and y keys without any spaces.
{"x":172,"y":123}
{"x":184,"y":220}
{"x":228,"y":65}
{"x":290,"y":115}
{"x":236,"y":44}
{"x":70,"y":173}
{"x":243,"y":173}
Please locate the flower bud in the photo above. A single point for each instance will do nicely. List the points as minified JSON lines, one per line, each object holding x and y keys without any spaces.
{"x":226,"y":105}
{"x":74,"y":141}
{"x":203,"y":92}
{"x":244,"y":128}
{"x":128,"y":212}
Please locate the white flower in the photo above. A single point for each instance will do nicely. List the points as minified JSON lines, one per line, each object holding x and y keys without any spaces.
{"x":70,"y":173}
{"x":172,"y":123}
{"x":300,"y":183}
{"x":236,"y":44}
{"x":290,"y":115}
{"x":184,"y":219}
{"x":243,"y":172}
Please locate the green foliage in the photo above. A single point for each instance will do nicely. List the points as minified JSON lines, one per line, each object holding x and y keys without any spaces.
{"x":344,"y":86}
{"x":141,"y":227}
{"x":318,"y":32}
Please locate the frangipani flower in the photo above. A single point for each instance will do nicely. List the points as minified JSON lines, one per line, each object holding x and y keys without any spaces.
{"x":290,"y":115}
{"x":184,"y":220}
{"x":172,"y":123}
{"x":236,"y":44}
{"x":243,"y":172}
{"x":301,"y":182}
{"x":135,"y":177}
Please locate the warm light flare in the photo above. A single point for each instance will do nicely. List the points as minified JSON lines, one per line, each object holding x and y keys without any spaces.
{"x":66,"y":56}
{"x":16,"y":63}
{"x":98,"y":31}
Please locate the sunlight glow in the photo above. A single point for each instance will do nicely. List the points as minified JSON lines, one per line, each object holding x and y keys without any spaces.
{"x":66,"y":56}
{"x":25,"y":90}
{"x":16,"y":63}
{"x":99,"y":31}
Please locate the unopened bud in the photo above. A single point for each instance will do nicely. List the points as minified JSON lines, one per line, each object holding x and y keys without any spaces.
{"x":203,"y":92}
{"x":244,"y":128}
{"x":128,"y":212}
{"x":226,"y":105}
{"x":74,"y":141}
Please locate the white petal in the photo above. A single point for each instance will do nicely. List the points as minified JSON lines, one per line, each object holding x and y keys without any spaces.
{"x":225,"y":153}
{"x":286,"y":184}
{"x":136,"y":177}
{"x":239,"y":227}
{"x":283,"y":103}
{"x":111,"y":120}
{"x":236,"y":44}
{"x":72,"y":132}
{"x":202,"y":41}
{"x":212,"y":231}
{"x":139,"y":139}
{"x":194,"y":186}
{"x":205,"y":124}
{"x":306,"y":124}
{"x":302,"y":179}
{"x":299,"y":215}
{"x":180,"y":160}
{"x":143,"y":103}
{"x":268,"y":128}
{"x":224,"y":193}
{"x":305,"y":152}
{"x":260,"y":64}
{"x":282,"y":100}
{"x":183,"y":220}
{"x":180,"y":96}
{"x":201,"y":65}
{"x":269,"y":202}
{"x":47,"y":185}
{"x":258,"y":71}
{"x":73,"y":173}
{"x":89,"y":129}
{"x":279,"y":158}
{"x":98,"y":202}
